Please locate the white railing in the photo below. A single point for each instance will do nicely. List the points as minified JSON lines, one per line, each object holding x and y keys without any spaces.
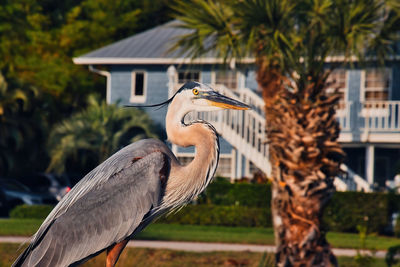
{"x":381,"y":115}
{"x":343,"y":115}
{"x":369,"y":116}
{"x":350,"y":181}
{"x":245,"y":130}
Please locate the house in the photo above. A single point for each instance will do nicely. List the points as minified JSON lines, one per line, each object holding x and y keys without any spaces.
{"x":141,"y":70}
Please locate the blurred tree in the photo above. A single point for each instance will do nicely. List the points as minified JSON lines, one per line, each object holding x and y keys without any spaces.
{"x":38,"y":39}
{"x":20,"y":128}
{"x":87,"y":138}
{"x":96,"y":23}
{"x":291,"y":41}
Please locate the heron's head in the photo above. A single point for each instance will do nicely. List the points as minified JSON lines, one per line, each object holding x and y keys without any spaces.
{"x":201,"y":97}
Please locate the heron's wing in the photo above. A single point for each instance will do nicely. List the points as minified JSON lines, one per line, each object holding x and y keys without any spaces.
{"x":92,"y":220}
{"x":121,"y":160}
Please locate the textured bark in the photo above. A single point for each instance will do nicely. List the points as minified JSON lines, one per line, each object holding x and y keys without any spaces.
{"x":305,"y":156}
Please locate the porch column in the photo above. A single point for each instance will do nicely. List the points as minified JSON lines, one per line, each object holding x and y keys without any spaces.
{"x":233,"y":165}
{"x":370,"y":163}
{"x":239,"y":168}
{"x":171,"y":72}
{"x":247,"y":168}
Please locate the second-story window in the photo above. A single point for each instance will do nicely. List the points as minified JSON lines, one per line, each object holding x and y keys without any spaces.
{"x":229,"y":78}
{"x":376,"y":84}
{"x":187,"y":76}
{"x":337,"y":80}
{"x":138,"y":87}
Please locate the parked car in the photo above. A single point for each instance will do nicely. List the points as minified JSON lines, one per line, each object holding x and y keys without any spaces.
{"x":16,"y":193}
{"x":56,"y":185}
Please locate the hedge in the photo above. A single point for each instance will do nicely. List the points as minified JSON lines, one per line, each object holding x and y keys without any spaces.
{"x":346,"y":210}
{"x":393,"y":256}
{"x":224,"y":193}
{"x":221,"y":215}
{"x":343,"y":213}
{"x":31,"y":212}
{"x":191,"y":214}
{"x":244,"y":204}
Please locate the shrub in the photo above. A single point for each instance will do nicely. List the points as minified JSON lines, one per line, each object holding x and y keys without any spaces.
{"x":243,"y":194}
{"x":221,"y":215}
{"x":393,"y":256}
{"x":344,"y":213}
{"x":346,"y":210}
{"x":31,"y":211}
{"x":243,"y":204}
{"x":394,"y":202}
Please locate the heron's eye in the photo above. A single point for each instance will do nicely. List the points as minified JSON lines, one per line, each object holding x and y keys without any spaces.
{"x":195,"y":91}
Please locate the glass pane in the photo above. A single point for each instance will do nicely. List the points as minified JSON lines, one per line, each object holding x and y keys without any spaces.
{"x":227,"y":78}
{"x":139,"y":84}
{"x":224,"y":166}
{"x":375,"y":78}
{"x":376,"y":95}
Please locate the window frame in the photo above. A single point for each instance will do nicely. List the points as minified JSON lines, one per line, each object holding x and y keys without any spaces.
{"x":138,"y":98}
{"x":364,"y":89}
{"x":346,"y":86}
{"x":238,"y":79}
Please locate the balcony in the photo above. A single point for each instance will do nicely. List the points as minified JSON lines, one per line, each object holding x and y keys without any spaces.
{"x":369,"y":121}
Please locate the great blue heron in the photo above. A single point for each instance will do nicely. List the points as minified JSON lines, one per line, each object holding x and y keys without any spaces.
{"x":126,"y":192}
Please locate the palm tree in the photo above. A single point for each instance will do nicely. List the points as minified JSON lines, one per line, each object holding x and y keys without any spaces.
{"x":291,"y":40}
{"x":89,"y":137}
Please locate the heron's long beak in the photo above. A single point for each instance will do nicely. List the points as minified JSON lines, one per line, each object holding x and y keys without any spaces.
{"x":218,"y":100}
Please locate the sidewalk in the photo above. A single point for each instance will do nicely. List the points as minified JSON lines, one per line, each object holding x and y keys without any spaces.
{"x":205,"y":247}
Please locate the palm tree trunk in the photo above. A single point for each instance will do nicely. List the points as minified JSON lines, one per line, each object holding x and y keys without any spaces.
{"x":305,"y":157}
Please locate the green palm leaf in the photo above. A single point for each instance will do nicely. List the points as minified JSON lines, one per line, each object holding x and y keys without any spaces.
{"x":99,"y":130}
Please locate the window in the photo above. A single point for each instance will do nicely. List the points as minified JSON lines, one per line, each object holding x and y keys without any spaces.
{"x":229,"y":78}
{"x":337,"y":80}
{"x":224,"y":167}
{"x":187,"y":76}
{"x":138,"y":87}
{"x":376,"y":84}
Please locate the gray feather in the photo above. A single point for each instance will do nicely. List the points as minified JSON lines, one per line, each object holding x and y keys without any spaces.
{"x":104,"y":208}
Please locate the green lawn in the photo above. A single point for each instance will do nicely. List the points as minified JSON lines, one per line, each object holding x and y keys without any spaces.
{"x":170,"y":258}
{"x":27,"y":227}
{"x":19,"y":227}
{"x":208,"y":234}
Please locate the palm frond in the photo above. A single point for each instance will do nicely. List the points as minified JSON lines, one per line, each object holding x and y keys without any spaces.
{"x":99,"y":130}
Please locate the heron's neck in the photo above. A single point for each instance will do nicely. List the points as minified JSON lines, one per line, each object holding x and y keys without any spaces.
{"x":195,"y":176}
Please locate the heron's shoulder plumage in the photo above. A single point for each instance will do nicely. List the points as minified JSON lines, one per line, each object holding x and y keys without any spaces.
{"x":107,"y":205}
{"x":116,"y":163}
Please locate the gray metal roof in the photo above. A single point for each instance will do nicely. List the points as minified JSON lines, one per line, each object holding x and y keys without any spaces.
{"x":149,"y":46}
{"x":152,"y":47}
{"x":152,"y":43}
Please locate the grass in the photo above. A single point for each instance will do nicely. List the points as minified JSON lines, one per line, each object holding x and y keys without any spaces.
{"x":19,"y":227}
{"x":209,"y":233}
{"x":373,"y":242}
{"x":169,"y":258}
{"x":245,"y":235}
